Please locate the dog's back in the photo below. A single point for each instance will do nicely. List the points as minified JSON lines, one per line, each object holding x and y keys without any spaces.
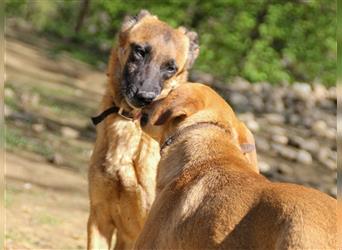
{"x":211,"y":198}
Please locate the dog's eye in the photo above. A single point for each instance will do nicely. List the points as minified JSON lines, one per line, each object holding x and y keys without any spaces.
{"x":170,"y":67}
{"x":139,"y":51}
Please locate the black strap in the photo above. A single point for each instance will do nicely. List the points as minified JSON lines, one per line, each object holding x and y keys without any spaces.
{"x":97,"y":119}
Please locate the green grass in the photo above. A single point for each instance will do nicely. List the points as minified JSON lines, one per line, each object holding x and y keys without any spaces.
{"x":16,"y":138}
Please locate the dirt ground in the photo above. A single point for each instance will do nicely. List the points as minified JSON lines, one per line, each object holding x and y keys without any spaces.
{"x":47,"y":92}
{"x":44,"y":212}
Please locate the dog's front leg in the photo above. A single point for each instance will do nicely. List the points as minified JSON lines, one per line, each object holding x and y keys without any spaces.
{"x":100,"y":230}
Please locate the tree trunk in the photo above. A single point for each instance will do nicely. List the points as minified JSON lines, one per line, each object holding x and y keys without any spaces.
{"x":84,"y":5}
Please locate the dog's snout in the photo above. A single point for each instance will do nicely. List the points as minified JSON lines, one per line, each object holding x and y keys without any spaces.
{"x":146,"y":97}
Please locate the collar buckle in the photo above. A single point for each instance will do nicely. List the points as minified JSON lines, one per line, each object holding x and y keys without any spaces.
{"x":124,"y":114}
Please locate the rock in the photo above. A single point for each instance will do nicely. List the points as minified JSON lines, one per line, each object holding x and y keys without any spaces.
{"x":27,"y":186}
{"x":197,"y":76}
{"x":253,"y":125}
{"x":257,"y":104}
{"x":333,"y":191}
{"x":274,"y":118}
{"x":275,"y":130}
{"x":262,"y":144}
{"x":69,"y":132}
{"x":239,"y":100}
{"x":319,"y":127}
{"x":331,"y":164}
{"x":56,"y":158}
{"x":330,"y":133}
{"x":281,"y":139}
{"x":304,"y":157}
{"x":310,"y":145}
{"x":284,"y":151}
{"x":323,"y":154}
{"x":285,"y":169}
{"x":302,"y":90}
{"x":246,"y":116}
{"x":38,"y":127}
{"x":240,"y":84}
{"x":264,"y":167}
{"x":332,"y":93}
{"x":327,"y":104}
{"x":319,"y":91}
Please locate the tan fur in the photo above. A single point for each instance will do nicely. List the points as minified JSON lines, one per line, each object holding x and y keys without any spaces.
{"x":122,"y":172}
{"x":209,"y":195}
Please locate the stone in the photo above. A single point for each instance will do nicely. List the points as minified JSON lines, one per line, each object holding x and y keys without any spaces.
{"x":239,"y":100}
{"x":69,"y":132}
{"x":285,"y":169}
{"x":319,"y":91}
{"x":38,"y":127}
{"x":281,"y":139}
{"x":302,"y":90}
{"x":274,"y":118}
{"x":257,"y":104}
{"x":253,"y":125}
{"x":27,"y":186}
{"x":264,"y":167}
{"x":323,"y":154}
{"x":333,"y":191}
{"x":310,"y":145}
{"x":304,"y":157}
{"x":56,"y":158}
{"x":246,"y":116}
{"x":197,"y":76}
{"x":331,"y":164}
{"x":284,"y":151}
{"x":240,"y":84}
{"x":262,"y":144}
{"x":330,"y":133}
{"x":319,"y":127}
{"x":275,"y":130}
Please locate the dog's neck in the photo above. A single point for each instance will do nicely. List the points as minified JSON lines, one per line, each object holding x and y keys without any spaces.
{"x":192,"y":149}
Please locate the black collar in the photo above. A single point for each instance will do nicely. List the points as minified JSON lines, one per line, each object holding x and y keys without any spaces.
{"x":178,"y":133}
{"x":114,"y":109}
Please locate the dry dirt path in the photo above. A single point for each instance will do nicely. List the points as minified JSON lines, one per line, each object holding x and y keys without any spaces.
{"x":47,"y":207}
{"x":49,"y":97}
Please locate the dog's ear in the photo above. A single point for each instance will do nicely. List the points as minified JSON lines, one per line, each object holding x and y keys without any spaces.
{"x":177,"y":109}
{"x":130,"y":21}
{"x":193,"y":46}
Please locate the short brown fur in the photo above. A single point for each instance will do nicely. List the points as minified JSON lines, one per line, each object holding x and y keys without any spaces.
{"x":211,"y":198}
{"x":123,"y":165}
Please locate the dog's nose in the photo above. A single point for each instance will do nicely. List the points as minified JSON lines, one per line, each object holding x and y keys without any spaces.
{"x":145,"y":97}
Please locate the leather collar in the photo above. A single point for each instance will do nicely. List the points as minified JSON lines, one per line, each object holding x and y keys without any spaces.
{"x":112,"y":110}
{"x":180,"y":132}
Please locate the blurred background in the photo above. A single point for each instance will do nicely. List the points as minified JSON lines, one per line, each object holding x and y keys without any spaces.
{"x":273,"y":61}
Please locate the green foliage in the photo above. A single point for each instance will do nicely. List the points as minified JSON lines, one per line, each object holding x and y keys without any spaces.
{"x":261,"y":40}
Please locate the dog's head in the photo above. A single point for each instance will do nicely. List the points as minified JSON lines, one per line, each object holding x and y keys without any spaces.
{"x":185,"y":105}
{"x":153,"y":58}
{"x":193,"y":103}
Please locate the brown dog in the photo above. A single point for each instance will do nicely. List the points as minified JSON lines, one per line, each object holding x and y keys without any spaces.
{"x":150,"y":59}
{"x":211,"y":198}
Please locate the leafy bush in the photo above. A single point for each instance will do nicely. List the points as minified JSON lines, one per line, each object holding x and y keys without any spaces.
{"x":260,"y":40}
